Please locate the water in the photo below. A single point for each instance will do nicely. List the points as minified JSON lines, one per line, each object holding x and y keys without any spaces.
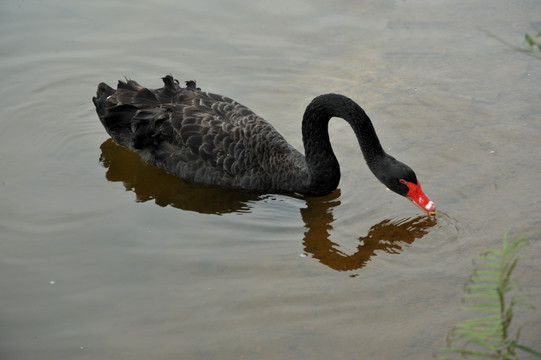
{"x":103,"y":256}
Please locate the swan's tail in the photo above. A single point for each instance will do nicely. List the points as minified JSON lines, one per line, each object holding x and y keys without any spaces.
{"x":118,"y":108}
{"x":131,"y":112}
{"x":114,"y":115}
{"x":103,"y":92}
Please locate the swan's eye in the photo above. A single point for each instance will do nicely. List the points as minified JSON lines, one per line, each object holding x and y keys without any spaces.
{"x":402,"y":181}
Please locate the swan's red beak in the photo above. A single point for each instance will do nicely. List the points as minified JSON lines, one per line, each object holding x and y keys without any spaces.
{"x":418,"y":197}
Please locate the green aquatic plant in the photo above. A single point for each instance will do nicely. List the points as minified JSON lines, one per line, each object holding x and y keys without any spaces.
{"x":496,"y":295}
{"x":531,"y":40}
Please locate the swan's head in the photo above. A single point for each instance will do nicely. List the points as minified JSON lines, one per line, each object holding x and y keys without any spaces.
{"x":401,"y":179}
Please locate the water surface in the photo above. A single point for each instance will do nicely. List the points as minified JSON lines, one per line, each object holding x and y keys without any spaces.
{"x":103,"y":256}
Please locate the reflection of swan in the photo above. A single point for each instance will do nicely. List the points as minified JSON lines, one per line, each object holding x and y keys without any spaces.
{"x":150,"y":183}
{"x":211,"y":139}
{"x":387,"y":235}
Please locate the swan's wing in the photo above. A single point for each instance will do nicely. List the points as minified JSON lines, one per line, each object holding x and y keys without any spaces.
{"x":198,"y":136}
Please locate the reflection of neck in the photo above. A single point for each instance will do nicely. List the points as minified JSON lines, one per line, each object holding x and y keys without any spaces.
{"x":387,"y":235}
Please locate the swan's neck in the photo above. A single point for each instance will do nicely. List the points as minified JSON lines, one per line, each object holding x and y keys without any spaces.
{"x":320,"y":158}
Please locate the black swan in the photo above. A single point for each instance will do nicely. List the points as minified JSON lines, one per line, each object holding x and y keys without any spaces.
{"x":211,"y":139}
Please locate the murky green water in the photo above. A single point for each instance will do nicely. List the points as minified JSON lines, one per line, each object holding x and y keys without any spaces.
{"x":105,"y":257}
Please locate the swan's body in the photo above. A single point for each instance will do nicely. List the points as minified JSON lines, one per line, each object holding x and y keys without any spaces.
{"x":211,"y":139}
